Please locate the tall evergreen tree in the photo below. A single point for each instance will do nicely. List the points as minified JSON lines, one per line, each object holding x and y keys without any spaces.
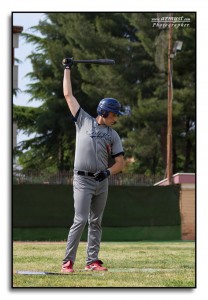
{"x":151,"y":111}
{"x":82,"y":36}
{"x":138,"y":79}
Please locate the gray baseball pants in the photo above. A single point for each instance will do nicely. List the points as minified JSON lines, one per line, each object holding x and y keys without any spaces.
{"x":90,"y":199}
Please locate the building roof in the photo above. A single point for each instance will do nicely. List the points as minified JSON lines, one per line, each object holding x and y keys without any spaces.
{"x":17,"y":29}
{"x":179,"y":178}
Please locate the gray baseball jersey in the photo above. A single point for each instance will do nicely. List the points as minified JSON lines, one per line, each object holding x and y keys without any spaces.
{"x":94,"y":144}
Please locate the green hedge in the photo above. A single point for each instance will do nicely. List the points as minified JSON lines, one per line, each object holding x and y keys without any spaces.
{"x":52,"y":206}
{"x":109,"y":234}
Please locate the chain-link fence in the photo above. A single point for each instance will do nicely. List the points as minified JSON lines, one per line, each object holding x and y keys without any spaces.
{"x":66,"y":177}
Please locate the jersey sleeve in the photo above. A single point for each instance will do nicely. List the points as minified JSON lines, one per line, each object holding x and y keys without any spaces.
{"x":81,"y":117}
{"x":117,"y":148}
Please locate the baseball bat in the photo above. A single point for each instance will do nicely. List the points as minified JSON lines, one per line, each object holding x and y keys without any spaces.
{"x":95,"y":61}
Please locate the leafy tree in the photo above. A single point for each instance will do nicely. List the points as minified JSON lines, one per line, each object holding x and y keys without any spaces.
{"x":138,"y":79}
{"x":81,"y":36}
{"x":151,"y":109}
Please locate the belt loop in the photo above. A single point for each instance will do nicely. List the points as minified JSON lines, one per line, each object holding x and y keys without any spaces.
{"x":86,"y":173}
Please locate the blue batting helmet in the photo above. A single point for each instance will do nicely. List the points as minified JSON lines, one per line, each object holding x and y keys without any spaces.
{"x":107,"y":105}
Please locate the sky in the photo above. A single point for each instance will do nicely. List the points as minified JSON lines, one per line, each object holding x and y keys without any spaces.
{"x":26,"y":20}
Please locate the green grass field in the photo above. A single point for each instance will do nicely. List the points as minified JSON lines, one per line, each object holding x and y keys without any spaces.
{"x":130,"y":264}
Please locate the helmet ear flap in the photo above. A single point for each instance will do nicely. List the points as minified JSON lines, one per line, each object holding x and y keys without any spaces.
{"x":104,"y":113}
{"x":101,"y":112}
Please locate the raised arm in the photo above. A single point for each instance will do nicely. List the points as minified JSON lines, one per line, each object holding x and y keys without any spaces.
{"x":67,"y":89}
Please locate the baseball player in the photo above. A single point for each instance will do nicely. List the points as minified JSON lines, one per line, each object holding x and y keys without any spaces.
{"x":95,"y":141}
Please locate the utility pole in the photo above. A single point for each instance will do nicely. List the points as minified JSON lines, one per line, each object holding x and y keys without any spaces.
{"x":169,"y":110}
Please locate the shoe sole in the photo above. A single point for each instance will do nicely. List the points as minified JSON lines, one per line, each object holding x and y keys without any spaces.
{"x":63,"y":271}
{"x":86,"y":269}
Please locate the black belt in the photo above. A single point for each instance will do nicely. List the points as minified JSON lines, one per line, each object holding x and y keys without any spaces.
{"x":82,"y":173}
